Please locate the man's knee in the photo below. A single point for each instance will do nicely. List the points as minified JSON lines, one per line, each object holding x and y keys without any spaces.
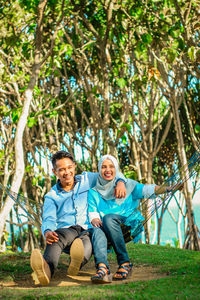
{"x":66,"y":237}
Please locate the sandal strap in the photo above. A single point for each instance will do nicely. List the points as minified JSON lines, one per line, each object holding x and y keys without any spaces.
{"x":125,"y":267}
{"x":103,"y":269}
{"x":101,"y":272}
{"x":121,"y":273}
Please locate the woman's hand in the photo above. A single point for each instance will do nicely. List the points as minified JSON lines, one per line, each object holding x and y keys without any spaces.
{"x":120,"y":190}
{"x":96,"y":222}
{"x":176,"y":187}
{"x":166,"y":189}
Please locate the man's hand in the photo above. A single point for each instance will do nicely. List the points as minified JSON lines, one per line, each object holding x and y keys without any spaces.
{"x":51,"y":237}
{"x":120,"y":190}
{"x":96,"y":222}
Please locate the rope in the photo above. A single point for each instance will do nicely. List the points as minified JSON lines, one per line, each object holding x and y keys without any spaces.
{"x":24,"y":202}
{"x":152,"y":205}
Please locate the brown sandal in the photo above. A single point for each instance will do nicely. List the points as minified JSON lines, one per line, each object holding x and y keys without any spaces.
{"x":122,"y":275}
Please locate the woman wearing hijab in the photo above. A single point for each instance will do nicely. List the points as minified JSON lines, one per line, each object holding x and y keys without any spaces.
{"x":107,"y":213}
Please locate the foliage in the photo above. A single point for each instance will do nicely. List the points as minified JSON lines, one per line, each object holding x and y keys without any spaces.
{"x":112,"y":74}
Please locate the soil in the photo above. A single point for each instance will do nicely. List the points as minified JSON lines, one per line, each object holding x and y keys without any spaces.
{"x":60,"y":278}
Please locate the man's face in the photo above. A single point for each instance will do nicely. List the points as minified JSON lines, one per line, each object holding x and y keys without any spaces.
{"x":65,"y":171}
{"x":108,"y":170}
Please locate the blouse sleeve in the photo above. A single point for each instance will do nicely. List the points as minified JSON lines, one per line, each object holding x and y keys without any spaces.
{"x":149,"y":191}
{"x":137,"y":193}
{"x":144,"y":191}
{"x":92,"y":206}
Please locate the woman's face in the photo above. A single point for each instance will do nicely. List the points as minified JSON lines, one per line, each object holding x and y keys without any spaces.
{"x":108,"y":171}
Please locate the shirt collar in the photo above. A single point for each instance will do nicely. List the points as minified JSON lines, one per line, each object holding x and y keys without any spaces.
{"x":77,"y":178}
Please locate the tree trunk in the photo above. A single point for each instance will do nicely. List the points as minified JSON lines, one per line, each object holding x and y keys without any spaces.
{"x":12,"y":233}
{"x":19,"y":153}
{"x":192,"y":240}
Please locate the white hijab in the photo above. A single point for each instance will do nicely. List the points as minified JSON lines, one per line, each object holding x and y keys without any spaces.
{"x":106,"y":188}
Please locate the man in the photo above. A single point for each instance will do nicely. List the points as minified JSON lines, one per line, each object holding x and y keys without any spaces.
{"x":66,"y":226}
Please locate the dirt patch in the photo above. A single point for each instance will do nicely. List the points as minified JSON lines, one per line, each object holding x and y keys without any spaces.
{"x":60,"y":278}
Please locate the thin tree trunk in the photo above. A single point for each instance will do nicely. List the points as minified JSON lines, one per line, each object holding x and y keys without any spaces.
{"x":12,"y":233}
{"x":193,"y":241}
{"x":19,"y":152}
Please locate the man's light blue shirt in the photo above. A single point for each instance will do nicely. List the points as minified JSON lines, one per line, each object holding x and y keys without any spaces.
{"x":64,"y":209}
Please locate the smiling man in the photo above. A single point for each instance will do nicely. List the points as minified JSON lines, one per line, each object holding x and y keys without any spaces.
{"x":65,"y":225}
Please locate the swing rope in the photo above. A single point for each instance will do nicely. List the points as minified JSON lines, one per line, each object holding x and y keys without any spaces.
{"x":29,"y":206}
{"x":33,"y":209}
{"x":133,"y":225}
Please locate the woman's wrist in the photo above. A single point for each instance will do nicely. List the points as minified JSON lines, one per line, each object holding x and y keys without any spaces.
{"x":167,"y":189}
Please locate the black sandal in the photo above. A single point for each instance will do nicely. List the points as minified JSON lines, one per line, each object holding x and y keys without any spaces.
{"x":102,"y":275}
{"x":123,"y":274}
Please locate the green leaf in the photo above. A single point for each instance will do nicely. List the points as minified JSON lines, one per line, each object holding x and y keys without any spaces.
{"x":121,"y":82}
{"x":124,"y":140}
{"x":28,"y":168}
{"x":4,"y":110}
{"x":56,"y":73}
{"x":15,"y":115}
{"x":34,"y":181}
{"x":175,"y":44}
{"x":147,"y":38}
{"x":127,"y":126}
{"x":2,"y":154}
{"x":32,"y":27}
{"x":141,"y":50}
{"x":171,"y":55}
{"x":37,"y":91}
{"x":192,"y":53}
{"x":116,"y":105}
{"x":69,"y":50}
{"x":53,"y":113}
{"x":31,"y":122}
{"x":181,"y":44}
{"x":175,"y":33}
{"x":94,"y":89}
{"x":197,"y":129}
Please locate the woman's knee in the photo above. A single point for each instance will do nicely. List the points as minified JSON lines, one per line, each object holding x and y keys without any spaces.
{"x":98,"y":233}
{"x":99,"y":238}
{"x":111,"y":220}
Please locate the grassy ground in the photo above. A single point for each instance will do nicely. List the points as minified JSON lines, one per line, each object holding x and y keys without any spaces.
{"x":179,"y":269}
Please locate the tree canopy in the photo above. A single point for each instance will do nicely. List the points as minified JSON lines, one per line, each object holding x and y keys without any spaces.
{"x":119,"y":77}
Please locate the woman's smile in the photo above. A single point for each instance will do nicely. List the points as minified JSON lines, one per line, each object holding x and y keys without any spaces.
{"x":108,"y":171}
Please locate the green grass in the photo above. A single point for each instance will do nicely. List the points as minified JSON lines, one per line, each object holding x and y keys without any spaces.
{"x":181,"y":266}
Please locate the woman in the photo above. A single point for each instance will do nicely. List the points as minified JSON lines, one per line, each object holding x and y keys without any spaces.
{"x":107,"y":214}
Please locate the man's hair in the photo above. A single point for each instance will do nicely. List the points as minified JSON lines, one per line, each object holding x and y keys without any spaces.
{"x":59,"y":155}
